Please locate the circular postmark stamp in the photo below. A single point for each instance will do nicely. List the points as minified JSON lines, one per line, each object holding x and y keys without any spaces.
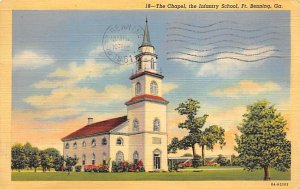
{"x":120,"y":42}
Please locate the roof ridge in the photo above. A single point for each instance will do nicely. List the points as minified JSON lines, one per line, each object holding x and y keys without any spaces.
{"x":97,"y":127}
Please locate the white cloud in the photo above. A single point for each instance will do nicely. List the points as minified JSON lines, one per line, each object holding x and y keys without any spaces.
{"x":246,"y":87}
{"x":31,"y":60}
{"x":230,"y":68}
{"x":79,"y":97}
{"x":74,"y":73}
{"x":96,"y":51}
{"x":168,"y":87}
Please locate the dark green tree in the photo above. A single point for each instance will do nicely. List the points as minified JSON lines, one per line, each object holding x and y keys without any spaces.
{"x":45,"y":161}
{"x":58,"y":163}
{"x":222,"y":161}
{"x":18,"y":157}
{"x":263,"y":143}
{"x":211,"y":136}
{"x":54,"y":156}
{"x":235,"y":160}
{"x":194,"y":125}
{"x":173,"y":146}
{"x":70,"y":162}
{"x":34,"y":158}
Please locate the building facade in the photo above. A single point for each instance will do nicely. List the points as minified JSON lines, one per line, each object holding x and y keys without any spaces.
{"x":141,"y":134}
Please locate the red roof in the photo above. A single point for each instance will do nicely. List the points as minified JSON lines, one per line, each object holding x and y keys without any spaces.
{"x":147,"y":97}
{"x":99,"y":127}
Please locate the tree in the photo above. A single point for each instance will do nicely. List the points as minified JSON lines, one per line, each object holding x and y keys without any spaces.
{"x":58,"y":163}
{"x":27,"y":150}
{"x":222,"y":161}
{"x":211,"y":136}
{"x":18,"y":157}
{"x":263,"y":143}
{"x":54,"y":157}
{"x":235,"y":160}
{"x":70,"y":162}
{"x":34,"y":158}
{"x":194,"y":125}
{"x":173,"y":146}
{"x":45,"y":161}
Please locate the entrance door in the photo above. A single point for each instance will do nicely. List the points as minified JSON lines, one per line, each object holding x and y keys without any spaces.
{"x":156,"y":161}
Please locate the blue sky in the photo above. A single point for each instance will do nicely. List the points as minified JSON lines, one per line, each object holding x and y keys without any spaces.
{"x":59,"y":43}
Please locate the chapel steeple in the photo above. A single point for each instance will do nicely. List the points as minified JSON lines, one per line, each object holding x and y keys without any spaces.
{"x":146,"y":38}
{"x":146,"y":59}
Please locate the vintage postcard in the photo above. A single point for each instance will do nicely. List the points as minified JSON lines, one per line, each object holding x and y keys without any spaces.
{"x":189,"y":94}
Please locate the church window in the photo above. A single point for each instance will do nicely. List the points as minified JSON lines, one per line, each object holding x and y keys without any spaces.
{"x":135,"y":125}
{"x":93,"y":159}
{"x":152,"y":63}
{"x":75,"y":156}
{"x":135,"y":157}
{"x":83,"y":144}
{"x":104,"y":141}
{"x":139,"y":65}
{"x":156,"y":125}
{"x":119,"y":157}
{"x":93,"y":143}
{"x":75,"y":145}
{"x":104,"y":158}
{"x":153,"y":88}
{"x":138,"y":88}
{"x":83,"y":159}
{"x":67,"y":146}
{"x":120,"y":141}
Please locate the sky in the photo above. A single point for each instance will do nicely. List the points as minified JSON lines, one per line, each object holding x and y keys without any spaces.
{"x":64,"y":71}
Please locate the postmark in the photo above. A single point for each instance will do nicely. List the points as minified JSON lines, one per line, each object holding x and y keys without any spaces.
{"x":120,"y":42}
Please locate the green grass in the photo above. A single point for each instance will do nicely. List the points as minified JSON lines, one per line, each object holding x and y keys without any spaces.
{"x":163,"y":176}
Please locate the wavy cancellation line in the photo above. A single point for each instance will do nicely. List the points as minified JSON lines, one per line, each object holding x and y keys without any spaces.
{"x":222,"y":58}
{"x":223,"y":41}
{"x":210,"y":25}
{"x":197,"y":26}
{"x":223,"y":35}
{"x":212,"y":30}
{"x":225,"y":47}
{"x":222,"y":52}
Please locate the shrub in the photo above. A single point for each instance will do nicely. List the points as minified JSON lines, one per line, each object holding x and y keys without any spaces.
{"x":127,"y":167}
{"x":78,"y":168}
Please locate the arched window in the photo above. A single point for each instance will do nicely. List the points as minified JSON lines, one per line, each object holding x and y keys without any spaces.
{"x":135,"y":157}
{"x":139,"y":64}
{"x":137,"y":88}
{"x":83,"y":159}
{"x":75,"y":156}
{"x":119,"y":157}
{"x":104,"y":158}
{"x":153,"y":88}
{"x":135,"y":125}
{"x":104,"y":141}
{"x":75,"y":145}
{"x":93,"y":143}
{"x":83,"y":144}
{"x":156,"y":124}
{"x":152,"y":63}
{"x":120,"y":141}
{"x":67,"y":146}
{"x":93,"y":159}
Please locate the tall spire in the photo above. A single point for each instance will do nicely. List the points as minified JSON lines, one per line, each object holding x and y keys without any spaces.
{"x":146,"y":39}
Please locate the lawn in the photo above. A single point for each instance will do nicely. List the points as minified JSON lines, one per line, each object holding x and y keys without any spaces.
{"x":187,"y":175}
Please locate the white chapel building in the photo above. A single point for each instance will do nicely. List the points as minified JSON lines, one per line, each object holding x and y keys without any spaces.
{"x":139,"y":135}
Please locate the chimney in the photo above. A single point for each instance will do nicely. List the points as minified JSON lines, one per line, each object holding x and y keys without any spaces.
{"x":90,"y":120}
